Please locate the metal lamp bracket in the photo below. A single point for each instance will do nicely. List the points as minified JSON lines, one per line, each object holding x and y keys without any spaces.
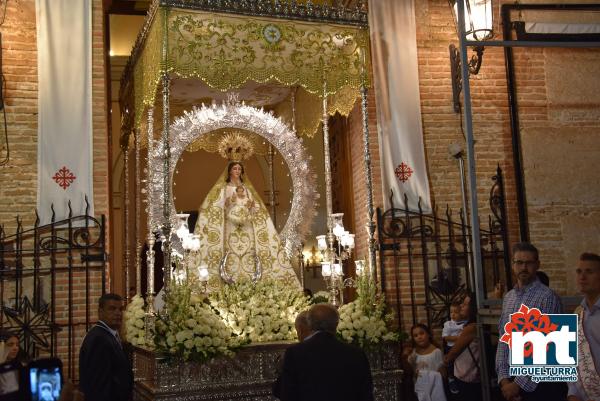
{"x":455,"y":73}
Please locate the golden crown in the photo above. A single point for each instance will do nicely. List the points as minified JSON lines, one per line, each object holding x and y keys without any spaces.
{"x":236,"y":147}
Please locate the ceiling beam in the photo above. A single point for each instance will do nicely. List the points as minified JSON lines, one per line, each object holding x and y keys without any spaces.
{"x":127,"y":7}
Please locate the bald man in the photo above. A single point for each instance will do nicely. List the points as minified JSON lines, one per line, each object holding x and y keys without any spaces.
{"x":303,"y":331}
{"x":302,"y":327}
{"x":322,"y":368}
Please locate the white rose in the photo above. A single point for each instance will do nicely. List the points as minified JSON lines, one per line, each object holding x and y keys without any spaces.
{"x":180,"y":337}
{"x":189,"y":344}
{"x":389,"y":336}
{"x":170,"y":340}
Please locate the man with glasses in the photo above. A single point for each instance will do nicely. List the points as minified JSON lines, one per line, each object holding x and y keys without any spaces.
{"x":531,"y":292}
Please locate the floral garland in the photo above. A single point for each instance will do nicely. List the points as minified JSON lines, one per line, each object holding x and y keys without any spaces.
{"x":135,"y":325}
{"x":364,"y":321}
{"x":260,"y":312}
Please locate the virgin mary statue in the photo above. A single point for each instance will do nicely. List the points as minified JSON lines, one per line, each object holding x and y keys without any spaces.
{"x":237,"y":236}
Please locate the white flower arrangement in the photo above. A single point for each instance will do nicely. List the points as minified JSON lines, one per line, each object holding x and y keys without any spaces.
{"x":135,"y":326}
{"x":193,"y":330}
{"x":321,"y":296}
{"x":261,"y":312}
{"x":364,"y":321}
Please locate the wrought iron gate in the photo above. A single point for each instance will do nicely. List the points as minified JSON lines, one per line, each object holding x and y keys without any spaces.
{"x":425,"y":258}
{"x":50,"y":279}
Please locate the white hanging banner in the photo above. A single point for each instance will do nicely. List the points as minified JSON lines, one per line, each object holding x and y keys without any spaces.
{"x":64,"y":42}
{"x":394,"y":52}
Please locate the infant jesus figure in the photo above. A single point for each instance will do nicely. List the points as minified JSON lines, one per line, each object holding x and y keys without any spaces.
{"x":241,"y":207}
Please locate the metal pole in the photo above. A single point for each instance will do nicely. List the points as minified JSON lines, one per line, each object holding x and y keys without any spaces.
{"x":330,"y":255}
{"x":465,"y":205}
{"x":532,"y":43}
{"x":166,"y":155}
{"x":138,"y":206}
{"x":150,"y":239}
{"x":475,"y":237}
{"x":368,"y":172}
{"x":270,"y":159}
{"x":327,"y":157}
{"x":126,"y":217}
{"x":515,"y":131}
{"x":166,"y":184}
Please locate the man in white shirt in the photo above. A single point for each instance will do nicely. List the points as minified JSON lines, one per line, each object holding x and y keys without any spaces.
{"x":587,"y":388}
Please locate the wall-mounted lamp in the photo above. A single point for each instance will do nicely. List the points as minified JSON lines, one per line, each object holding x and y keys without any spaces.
{"x":479,"y":22}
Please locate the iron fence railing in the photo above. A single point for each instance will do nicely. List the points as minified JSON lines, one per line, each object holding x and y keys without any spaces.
{"x":50,"y":279}
{"x":425,"y":258}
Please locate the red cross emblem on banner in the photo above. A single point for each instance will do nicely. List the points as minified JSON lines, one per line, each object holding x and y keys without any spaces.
{"x":64,"y":177}
{"x":403,"y":172}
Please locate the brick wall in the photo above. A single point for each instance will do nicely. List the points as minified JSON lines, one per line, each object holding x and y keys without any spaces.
{"x":101,"y":162}
{"x":19,"y":178}
{"x":442,"y":126}
{"x":19,"y":66}
{"x":558,"y":103}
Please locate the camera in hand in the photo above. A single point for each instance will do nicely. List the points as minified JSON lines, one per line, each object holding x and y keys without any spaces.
{"x":40,"y":380}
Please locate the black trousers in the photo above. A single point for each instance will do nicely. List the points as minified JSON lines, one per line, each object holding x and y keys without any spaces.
{"x":546,"y":391}
{"x":467,"y":391}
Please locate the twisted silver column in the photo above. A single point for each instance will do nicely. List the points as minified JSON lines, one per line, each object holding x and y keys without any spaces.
{"x":138,"y":205}
{"x":368,"y":172}
{"x":270,"y":159}
{"x":328,"y":196}
{"x":166,"y":182}
{"x":126,"y":219}
{"x":150,"y":238}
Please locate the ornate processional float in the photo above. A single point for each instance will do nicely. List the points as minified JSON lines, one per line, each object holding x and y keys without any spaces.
{"x":201,"y":73}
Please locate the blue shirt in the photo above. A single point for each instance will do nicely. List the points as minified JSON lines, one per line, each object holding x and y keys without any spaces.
{"x":533,"y":295}
{"x":591,"y":329}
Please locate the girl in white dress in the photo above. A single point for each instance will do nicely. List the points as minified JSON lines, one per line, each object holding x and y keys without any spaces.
{"x":427,"y":362}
